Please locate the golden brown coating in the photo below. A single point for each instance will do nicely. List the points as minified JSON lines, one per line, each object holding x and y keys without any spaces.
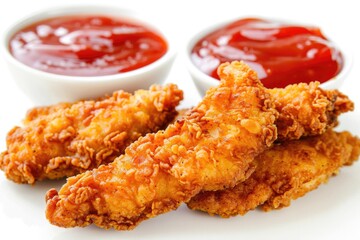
{"x":211,"y":148}
{"x":307,"y":110}
{"x":285,"y":172}
{"x":66,"y":139}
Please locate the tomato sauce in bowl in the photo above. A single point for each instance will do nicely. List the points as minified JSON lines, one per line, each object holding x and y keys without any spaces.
{"x":71,"y":53}
{"x":87,"y":45}
{"x":281,"y":53}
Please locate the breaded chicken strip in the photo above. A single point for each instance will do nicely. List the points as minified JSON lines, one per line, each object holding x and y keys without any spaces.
{"x":211,"y":148}
{"x":285,"y":172}
{"x":307,"y":110}
{"x":66,"y":139}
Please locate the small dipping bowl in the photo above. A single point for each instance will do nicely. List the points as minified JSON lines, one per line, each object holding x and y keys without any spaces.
{"x":204,"y":81}
{"x":45,"y":88}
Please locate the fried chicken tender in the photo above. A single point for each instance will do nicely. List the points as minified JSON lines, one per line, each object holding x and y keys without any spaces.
{"x":284,"y":173}
{"x":307,"y":110}
{"x":69,"y":138}
{"x":211,"y":148}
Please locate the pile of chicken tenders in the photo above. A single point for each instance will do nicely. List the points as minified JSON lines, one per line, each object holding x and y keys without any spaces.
{"x":130,"y":157}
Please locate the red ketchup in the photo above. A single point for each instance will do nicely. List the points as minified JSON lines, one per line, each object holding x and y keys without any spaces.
{"x":281,"y":53}
{"x":87,"y":45}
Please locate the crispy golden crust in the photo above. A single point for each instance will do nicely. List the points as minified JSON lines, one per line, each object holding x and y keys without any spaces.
{"x":211,"y":148}
{"x":285,"y":172}
{"x":66,"y":139}
{"x":307,"y":110}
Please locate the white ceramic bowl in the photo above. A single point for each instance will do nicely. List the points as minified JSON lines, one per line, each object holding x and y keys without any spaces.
{"x":45,"y":88}
{"x":203,"y":81}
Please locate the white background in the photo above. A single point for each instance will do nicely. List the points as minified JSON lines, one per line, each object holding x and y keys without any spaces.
{"x":331,"y":212}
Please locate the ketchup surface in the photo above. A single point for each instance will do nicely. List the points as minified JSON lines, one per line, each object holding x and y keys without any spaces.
{"x":280,"y":53}
{"x":87,"y":45}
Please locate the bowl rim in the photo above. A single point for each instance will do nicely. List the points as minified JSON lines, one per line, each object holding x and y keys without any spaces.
{"x":103,"y":9}
{"x":192,"y":40}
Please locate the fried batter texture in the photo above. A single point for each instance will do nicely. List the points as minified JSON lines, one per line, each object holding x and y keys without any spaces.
{"x":307,"y":110}
{"x":285,"y":172}
{"x":211,"y":148}
{"x":67,"y":139}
